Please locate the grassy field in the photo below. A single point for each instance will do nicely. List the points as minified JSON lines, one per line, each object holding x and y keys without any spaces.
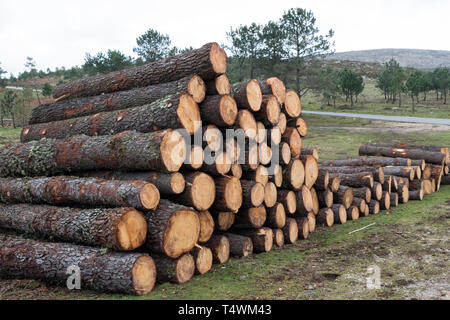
{"x":408,"y":243}
{"x":372,"y":101}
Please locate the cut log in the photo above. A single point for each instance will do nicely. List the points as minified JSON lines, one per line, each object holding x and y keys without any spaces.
{"x":427,"y":148}
{"x":278,"y":237}
{"x":282,"y":123}
{"x":261,"y":132}
{"x":203,"y":258}
{"x":323,"y":180}
{"x":367,"y":212}
{"x":80,"y":191}
{"x":290,"y":231}
{"x":270,"y":111}
{"x":262,"y":239}
{"x":312,"y":222}
{"x":427,"y":187}
{"x":159,"y":151}
{"x":122,"y":229}
{"x":288,"y":199}
{"x":403,"y":193}
{"x":240,"y":246}
{"x":212,"y":138}
{"x":199,"y":192}
{"x":275,"y":87}
{"x":167,"y":183}
{"x":223,"y":220}
{"x":417,"y":163}
{"x":311,"y":170}
{"x":303,"y":227}
{"x":220,"y":85}
{"x":352,"y":213}
{"x":220,"y":248}
{"x":325,"y":217}
{"x":233,"y":149}
{"x":292,"y":105}
{"x":171,"y":112}
{"x":360,"y":203}
{"x":415,"y":154}
{"x":177,"y":271}
{"x":377,"y":172}
{"x":426,"y":172}
{"x":206,"y":226}
{"x":377,"y":191}
{"x":305,"y":202}
{"x":437,"y":172}
{"x":283,"y":154}
{"x":252,"y":218}
{"x":81,"y":107}
{"x":221,"y":111}
{"x":418,"y":172}
{"x":315,"y":201}
{"x":130,"y":273}
{"x":433,"y":186}
{"x":406,"y":172}
{"x":416,"y":195}
{"x":218,"y":164}
{"x":195,"y":158}
{"x":344,"y":196}
{"x":363,"y":193}
{"x":374,"y":207}
{"x":166,"y":224}
{"x":292,"y":137}
{"x":368,"y":161}
{"x":294,"y":175}
{"x":302,"y":128}
{"x":270,"y":194}
{"x":228,"y":194}
{"x":387,"y":185}
{"x":261,"y":175}
{"x":339,"y":214}
{"x":416,"y":185}
{"x":236,"y":170}
{"x":208,"y":62}
{"x":252,"y":194}
{"x":385,"y":201}
{"x":248,"y":95}
{"x":247,"y":123}
{"x":277,"y":177}
{"x":265,"y":153}
{"x":394,"y":199}
{"x":335,"y":183}
{"x":356,"y":180}
{"x":325,"y":198}
{"x":274,"y":135}
{"x":276,"y":217}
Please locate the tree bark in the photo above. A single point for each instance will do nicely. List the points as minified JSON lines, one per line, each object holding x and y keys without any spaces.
{"x":363,"y":193}
{"x":290,"y":231}
{"x":269,"y":114}
{"x":325,"y":198}
{"x":81,"y":107}
{"x":80,"y":191}
{"x":129,"y":273}
{"x":248,"y":95}
{"x":275,"y":87}
{"x":368,"y":161}
{"x":304,"y":201}
{"x":288,"y":199}
{"x":166,"y":223}
{"x":208,"y":62}
{"x":276,"y":217}
{"x":339,"y":214}
{"x":377,"y":191}
{"x":374,"y":207}
{"x":220,"y":248}
{"x":344,"y":196}
{"x":325,"y":217}
{"x":294,"y":175}
{"x":122,"y":229}
{"x":240,"y":246}
{"x":357,"y":180}
{"x":160,"y":151}
{"x":203,"y":259}
{"x":223,"y":220}
{"x":303,"y":227}
{"x":361,"y":204}
{"x":406,"y":172}
{"x":177,"y":271}
{"x":261,"y":175}
{"x":376,"y":172}
{"x":415,"y":154}
{"x":219,"y":110}
{"x":228,"y":194}
{"x":252,"y":194}
{"x":220,"y":85}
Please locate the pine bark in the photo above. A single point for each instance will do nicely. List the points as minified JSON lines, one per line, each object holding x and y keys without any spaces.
{"x":220,"y":85}
{"x":199,"y":192}
{"x":208,"y":62}
{"x":124,"y":151}
{"x":129,"y":273}
{"x":363,"y":193}
{"x":224,"y":220}
{"x":262,"y":239}
{"x":81,"y":107}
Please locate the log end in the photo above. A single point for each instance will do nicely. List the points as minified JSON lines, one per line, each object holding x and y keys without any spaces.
{"x":291,"y":202}
{"x":254,"y":95}
{"x":184,"y":269}
{"x":303,"y":228}
{"x":292,"y":105}
{"x":280,"y":215}
{"x":297,"y":174}
{"x":257,"y":216}
{"x":222,"y":254}
{"x":236,"y":170}
{"x":278,"y":238}
{"x":196,"y":157}
{"x":353,"y":213}
{"x":257,"y":194}
{"x":189,"y":113}
{"x":182,"y":233}
{"x":302,"y":128}
{"x":228,"y":110}
{"x":203,"y":191}
{"x":273,"y":110}
{"x":173,"y":150}
{"x":222,"y":84}
{"x":311,"y":171}
{"x":278,"y":176}
{"x":233,"y":194}
{"x":262,"y":175}
{"x":203,"y":260}
{"x":247,"y":123}
{"x":290,"y":231}
{"x":218,"y":58}
{"x":312,"y":222}
{"x":270,"y":195}
{"x":278,"y":89}
{"x":197,"y":88}
{"x":131,"y":231}
{"x":149,"y":196}
{"x":177,"y":183}
{"x":143,"y":275}
{"x":206,"y":226}
{"x":223,"y":163}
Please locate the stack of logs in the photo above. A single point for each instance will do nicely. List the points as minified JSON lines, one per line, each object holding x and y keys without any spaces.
{"x":384,"y":176}
{"x":133,"y":201}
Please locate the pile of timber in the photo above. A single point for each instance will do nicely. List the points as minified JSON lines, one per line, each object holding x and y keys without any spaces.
{"x":135,"y":171}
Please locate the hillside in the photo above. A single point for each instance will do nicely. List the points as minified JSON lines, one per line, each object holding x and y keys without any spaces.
{"x":414,"y":58}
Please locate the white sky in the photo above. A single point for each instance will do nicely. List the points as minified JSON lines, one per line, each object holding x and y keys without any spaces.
{"x":59,"y":33}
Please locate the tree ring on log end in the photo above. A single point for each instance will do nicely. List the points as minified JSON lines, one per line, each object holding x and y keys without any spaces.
{"x":143,"y":275}
{"x":177,"y":183}
{"x":197,"y":88}
{"x":257,"y":194}
{"x":173,"y":150}
{"x":149,"y":196}
{"x":228,"y":110}
{"x":293,"y":105}
{"x":270,"y":195}
{"x":254,"y":95}
{"x":182,"y":233}
{"x":196,"y":157}
{"x":189,"y":113}
{"x":203,"y":191}
{"x":185,"y":268}
{"x":131,"y":230}
{"x":233,"y":194}
{"x":247,"y":123}
{"x":218,"y":59}
{"x":297,"y":174}
{"x":278,"y":89}
{"x":204,"y":260}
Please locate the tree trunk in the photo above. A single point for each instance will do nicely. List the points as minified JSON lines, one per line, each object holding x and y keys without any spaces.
{"x":305,"y":203}
{"x":81,"y":107}
{"x":177,"y":271}
{"x":394,"y":199}
{"x":80,"y":191}
{"x":129,"y":273}
{"x":160,"y":151}
{"x":335,"y":183}
{"x":360,"y":204}
{"x":175,"y":111}
{"x":248,"y":95}
{"x":363,"y":193}
{"x":278,"y":238}
{"x":377,"y":191}
{"x":376,"y":172}
{"x":269,"y":114}
{"x":219,"y":110}
{"x":288,"y":199}
{"x":270,"y":195}
{"x":344,"y":196}
{"x":220,"y":248}
{"x":385,"y":201}
{"x":208,"y":62}
{"x":406,"y":172}
{"x":416,"y":195}
{"x":357,"y":180}
{"x":261,"y":175}
{"x":367,"y":161}
{"x":323,"y":180}
{"x":276,"y":217}
{"x":311,"y":170}
{"x":303,"y":227}
{"x":228,"y":194}
{"x":416,"y":154}
{"x":315,"y":201}
{"x":121,"y":229}
{"x":240,"y":246}
{"x":294,"y":140}
{"x":325,"y":217}
{"x":166,"y":223}
{"x":339,"y":213}
{"x":252,"y":218}
{"x":374,"y":207}
{"x":353,"y":213}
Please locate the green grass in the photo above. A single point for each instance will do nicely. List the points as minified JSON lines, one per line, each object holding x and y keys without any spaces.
{"x":9,"y":135}
{"x":371,"y":101}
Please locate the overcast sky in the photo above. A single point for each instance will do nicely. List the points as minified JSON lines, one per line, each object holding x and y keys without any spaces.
{"x":59,"y":33}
